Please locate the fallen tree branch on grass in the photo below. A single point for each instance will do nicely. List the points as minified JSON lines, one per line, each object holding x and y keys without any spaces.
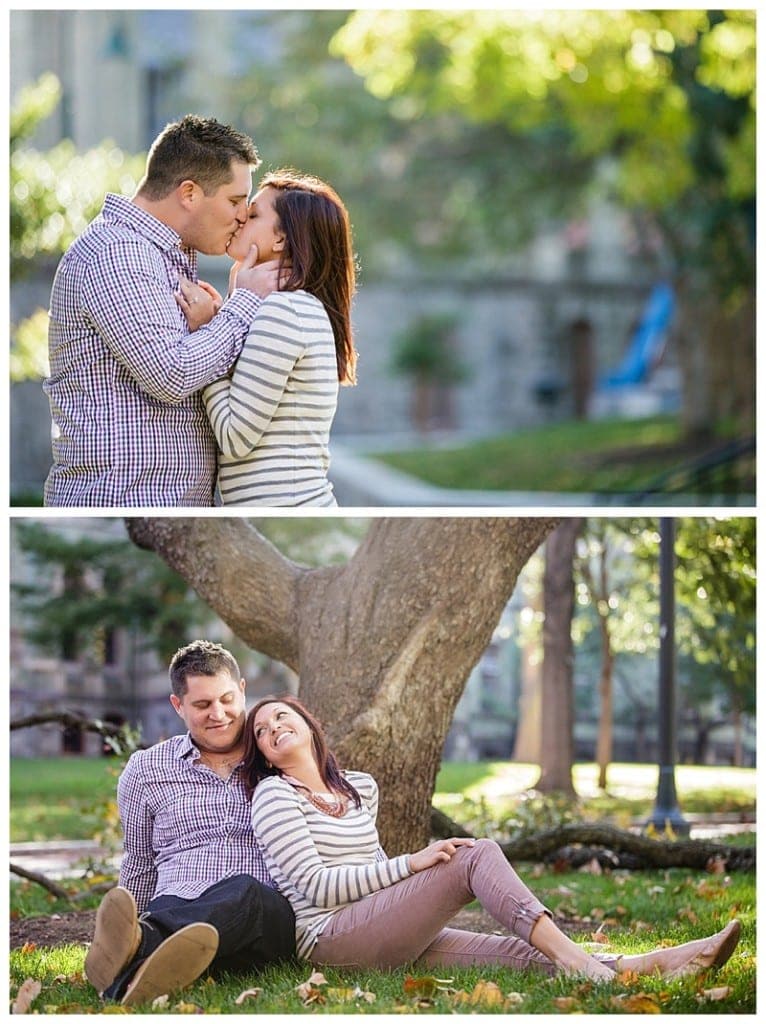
{"x":627,"y":849}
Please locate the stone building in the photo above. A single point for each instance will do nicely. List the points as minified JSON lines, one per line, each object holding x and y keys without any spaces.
{"x":119,"y":680}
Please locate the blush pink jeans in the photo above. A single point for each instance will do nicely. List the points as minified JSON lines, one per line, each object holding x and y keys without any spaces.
{"x":406,"y":922}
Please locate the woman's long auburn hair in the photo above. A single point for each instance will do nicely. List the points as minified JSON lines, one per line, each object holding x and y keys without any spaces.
{"x":256,"y":767}
{"x":320,"y":251}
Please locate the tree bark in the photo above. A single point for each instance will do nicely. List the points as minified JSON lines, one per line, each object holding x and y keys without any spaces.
{"x":557,"y":741}
{"x":383,"y":645}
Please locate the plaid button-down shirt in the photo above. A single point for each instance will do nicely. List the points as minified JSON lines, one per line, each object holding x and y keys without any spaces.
{"x":185,"y":827}
{"x":129,"y":426}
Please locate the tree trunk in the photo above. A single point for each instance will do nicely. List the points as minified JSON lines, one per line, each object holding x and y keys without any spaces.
{"x":557,"y":745}
{"x":383,"y":645}
{"x":526,"y":747}
{"x":605,"y":685}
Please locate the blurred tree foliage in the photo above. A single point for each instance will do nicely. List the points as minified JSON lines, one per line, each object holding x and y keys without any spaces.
{"x":424,"y":187}
{"x":663,"y":102}
{"x":715,"y":581}
{"x":54,"y":195}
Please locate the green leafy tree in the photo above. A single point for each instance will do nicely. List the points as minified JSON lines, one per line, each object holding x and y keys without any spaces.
{"x":54,"y":195}
{"x":88,"y":586}
{"x":660,"y":103}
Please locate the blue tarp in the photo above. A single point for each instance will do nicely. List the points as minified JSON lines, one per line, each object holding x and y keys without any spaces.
{"x":647,"y":342}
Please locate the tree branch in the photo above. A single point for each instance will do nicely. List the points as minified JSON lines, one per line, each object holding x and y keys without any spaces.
{"x":237,"y":571}
{"x":69,"y":719}
{"x":688,"y":853}
{"x":46,"y":883}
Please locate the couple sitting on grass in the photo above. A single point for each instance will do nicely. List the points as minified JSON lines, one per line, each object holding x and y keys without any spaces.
{"x":246,"y":845}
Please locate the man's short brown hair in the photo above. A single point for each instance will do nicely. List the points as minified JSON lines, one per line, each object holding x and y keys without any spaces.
{"x":198,"y":149}
{"x":200,"y":658}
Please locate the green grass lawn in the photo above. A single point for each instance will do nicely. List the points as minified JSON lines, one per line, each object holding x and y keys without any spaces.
{"x":606,"y":456}
{"x":60,"y":797}
{"x":635,"y":910}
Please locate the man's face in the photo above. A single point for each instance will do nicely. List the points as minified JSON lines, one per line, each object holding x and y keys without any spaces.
{"x":213,"y":709}
{"x":216,"y":217}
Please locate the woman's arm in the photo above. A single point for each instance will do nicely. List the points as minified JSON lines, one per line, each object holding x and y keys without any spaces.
{"x":282,"y":830}
{"x":241,"y":409}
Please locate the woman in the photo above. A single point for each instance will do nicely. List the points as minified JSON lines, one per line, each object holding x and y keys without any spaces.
{"x":272,"y":418}
{"x":355,"y":907}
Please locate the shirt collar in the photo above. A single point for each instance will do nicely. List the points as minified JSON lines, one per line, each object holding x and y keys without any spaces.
{"x":186,"y":747}
{"x":122,"y":209}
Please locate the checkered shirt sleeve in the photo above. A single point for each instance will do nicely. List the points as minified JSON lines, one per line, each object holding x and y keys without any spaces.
{"x":184,"y":827}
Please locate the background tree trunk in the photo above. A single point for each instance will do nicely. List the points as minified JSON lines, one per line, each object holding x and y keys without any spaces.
{"x":383,"y":645}
{"x":557,"y":743}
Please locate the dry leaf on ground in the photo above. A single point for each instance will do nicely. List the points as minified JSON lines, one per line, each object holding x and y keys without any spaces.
{"x":249,"y":993}
{"x":29,"y":990}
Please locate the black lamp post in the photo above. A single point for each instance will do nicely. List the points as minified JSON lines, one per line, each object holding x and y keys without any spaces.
{"x":666,"y":810}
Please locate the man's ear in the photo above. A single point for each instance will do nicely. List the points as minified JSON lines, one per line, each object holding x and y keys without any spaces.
{"x":242,"y":685}
{"x":188,"y":193}
{"x":176,"y":703}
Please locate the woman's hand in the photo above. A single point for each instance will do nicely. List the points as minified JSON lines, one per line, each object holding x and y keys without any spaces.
{"x":439,"y":852}
{"x":199,"y":302}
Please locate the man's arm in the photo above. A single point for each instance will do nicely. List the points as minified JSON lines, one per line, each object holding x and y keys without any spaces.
{"x":138,"y":872}
{"x":130,"y":302}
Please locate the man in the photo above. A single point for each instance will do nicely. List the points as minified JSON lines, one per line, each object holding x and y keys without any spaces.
{"x":191,"y":868}
{"x":129,"y":427}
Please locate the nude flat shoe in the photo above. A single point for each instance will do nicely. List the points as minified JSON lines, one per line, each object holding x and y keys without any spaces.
{"x":116,"y":938}
{"x":715,"y":954}
{"x":174,"y":964}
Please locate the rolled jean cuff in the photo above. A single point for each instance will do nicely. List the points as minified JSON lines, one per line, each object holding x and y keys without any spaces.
{"x":528,"y":914}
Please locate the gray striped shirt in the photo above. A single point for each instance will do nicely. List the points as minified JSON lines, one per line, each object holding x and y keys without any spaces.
{"x":321,"y":863}
{"x":272,"y":418}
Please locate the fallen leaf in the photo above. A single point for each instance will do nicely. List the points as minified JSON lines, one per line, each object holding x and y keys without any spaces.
{"x":29,"y":990}
{"x":309,"y":990}
{"x":29,"y":947}
{"x":714,"y":995}
{"x":160,"y":1002}
{"x":514,"y":999}
{"x":600,"y":936}
{"x":421,"y":986}
{"x":640,"y":1002}
{"x":628,"y":977}
{"x":567,"y":1004}
{"x":249,"y":993}
{"x":688,"y":914}
{"x":486,"y":993}
{"x":187,"y":1008}
{"x":716,"y":866}
{"x":109,"y":1008}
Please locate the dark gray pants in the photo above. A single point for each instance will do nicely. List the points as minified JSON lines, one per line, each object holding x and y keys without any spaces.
{"x":255,"y":924}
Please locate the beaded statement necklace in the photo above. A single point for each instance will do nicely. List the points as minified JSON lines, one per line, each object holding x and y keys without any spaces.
{"x":336,"y":808}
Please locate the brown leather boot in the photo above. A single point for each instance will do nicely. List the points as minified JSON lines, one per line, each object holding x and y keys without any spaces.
{"x":116,"y":938}
{"x":174,"y":964}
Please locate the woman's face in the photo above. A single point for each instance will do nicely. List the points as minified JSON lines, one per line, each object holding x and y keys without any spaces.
{"x":261,"y":228}
{"x":280,"y":733}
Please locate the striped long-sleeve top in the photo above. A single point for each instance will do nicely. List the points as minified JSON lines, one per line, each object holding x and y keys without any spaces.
{"x":321,"y":863}
{"x":272,"y":418}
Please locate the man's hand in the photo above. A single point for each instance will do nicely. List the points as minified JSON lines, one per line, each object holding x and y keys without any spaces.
{"x":262,"y":279}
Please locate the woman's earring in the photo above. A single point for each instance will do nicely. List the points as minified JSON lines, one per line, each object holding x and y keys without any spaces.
{"x":269,"y":765}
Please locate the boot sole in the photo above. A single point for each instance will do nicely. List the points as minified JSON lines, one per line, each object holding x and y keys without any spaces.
{"x":116,"y":938}
{"x":174,"y":964}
